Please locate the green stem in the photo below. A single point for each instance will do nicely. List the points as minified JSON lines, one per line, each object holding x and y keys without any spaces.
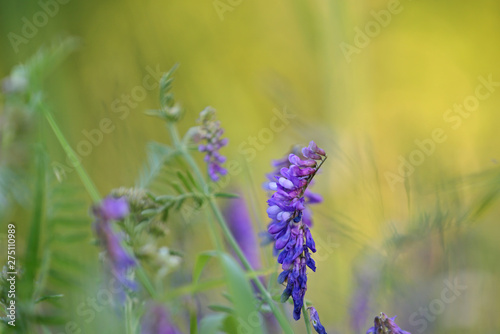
{"x":146,"y":283}
{"x":234,"y":244}
{"x":225,"y":229}
{"x":176,"y":140}
{"x":129,"y":326}
{"x":87,"y":182}
{"x":306,"y":320}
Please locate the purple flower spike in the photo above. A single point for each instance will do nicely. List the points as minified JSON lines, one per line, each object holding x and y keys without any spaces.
{"x":120,"y":261}
{"x":291,"y":220}
{"x":211,"y":132}
{"x":315,"y":321}
{"x":157,"y":321}
{"x":384,"y":324}
{"x":296,"y":159}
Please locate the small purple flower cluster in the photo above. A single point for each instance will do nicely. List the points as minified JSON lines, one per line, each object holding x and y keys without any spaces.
{"x":211,"y":132}
{"x":288,"y":228}
{"x":384,"y":324}
{"x":120,"y":261}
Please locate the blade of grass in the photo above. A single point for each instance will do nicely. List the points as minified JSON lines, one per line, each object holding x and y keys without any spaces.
{"x":87,"y":182}
{"x":31,"y":259}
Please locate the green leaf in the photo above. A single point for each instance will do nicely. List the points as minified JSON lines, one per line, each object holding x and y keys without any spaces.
{"x":149,"y":212}
{"x":212,"y":324}
{"x":63,"y":278}
{"x":164,"y":198}
{"x":191,"y":179}
{"x":157,"y":155}
{"x":185,"y":182}
{"x":242,"y":295}
{"x":45,"y":330}
{"x":193,"y":321}
{"x":221,"y":308}
{"x":41,"y":299}
{"x":146,"y":283}
{"x":227,"y":195}
{"x":179,"y":203}
{"x":284,"y":298}
{"x":50,"y":319}
{"x":201,"y":262}
{"x":176,"y":187}
{"x":166,"y":97}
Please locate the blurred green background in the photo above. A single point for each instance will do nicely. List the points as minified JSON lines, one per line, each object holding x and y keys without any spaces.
{"x":439,"y":223}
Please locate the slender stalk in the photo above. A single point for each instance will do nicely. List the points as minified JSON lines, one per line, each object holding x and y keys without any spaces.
{"x":176,"y":140}
{"x":307,"y":321}
{"x":87,"y":182}
{"x":146,"y":283}
{"x":225,"y":229}
{"x":265,"y":294}
{"x":129,"y":326}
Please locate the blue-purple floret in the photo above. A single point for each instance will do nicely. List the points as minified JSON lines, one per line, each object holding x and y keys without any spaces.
{"x":315,"y":321}
{"x":289,"y":227}
{"x":120,"y":261}
{"x":210,"y":132}
{"x":384,"y":324}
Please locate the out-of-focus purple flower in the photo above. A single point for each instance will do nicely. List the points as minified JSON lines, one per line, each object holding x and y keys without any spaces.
{"x":288,"y":227}
{"x":119,"y":260}
{"x":360,"y":306}
{"x":367,"y":276}
{"x":239,"y":222}
{"x":157,"y":321}
{"x":315,"y":321}
{"x":384,"y":324}
{"x":113,"y":208}
{"x":210,"y":132}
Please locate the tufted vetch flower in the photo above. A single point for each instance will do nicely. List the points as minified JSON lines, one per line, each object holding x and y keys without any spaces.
{"x":120,"y":261}
{"x":210,"y":132}
{"x":290,"y":228}
{"x":384,"y":324}
{"x":309,"y":196}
